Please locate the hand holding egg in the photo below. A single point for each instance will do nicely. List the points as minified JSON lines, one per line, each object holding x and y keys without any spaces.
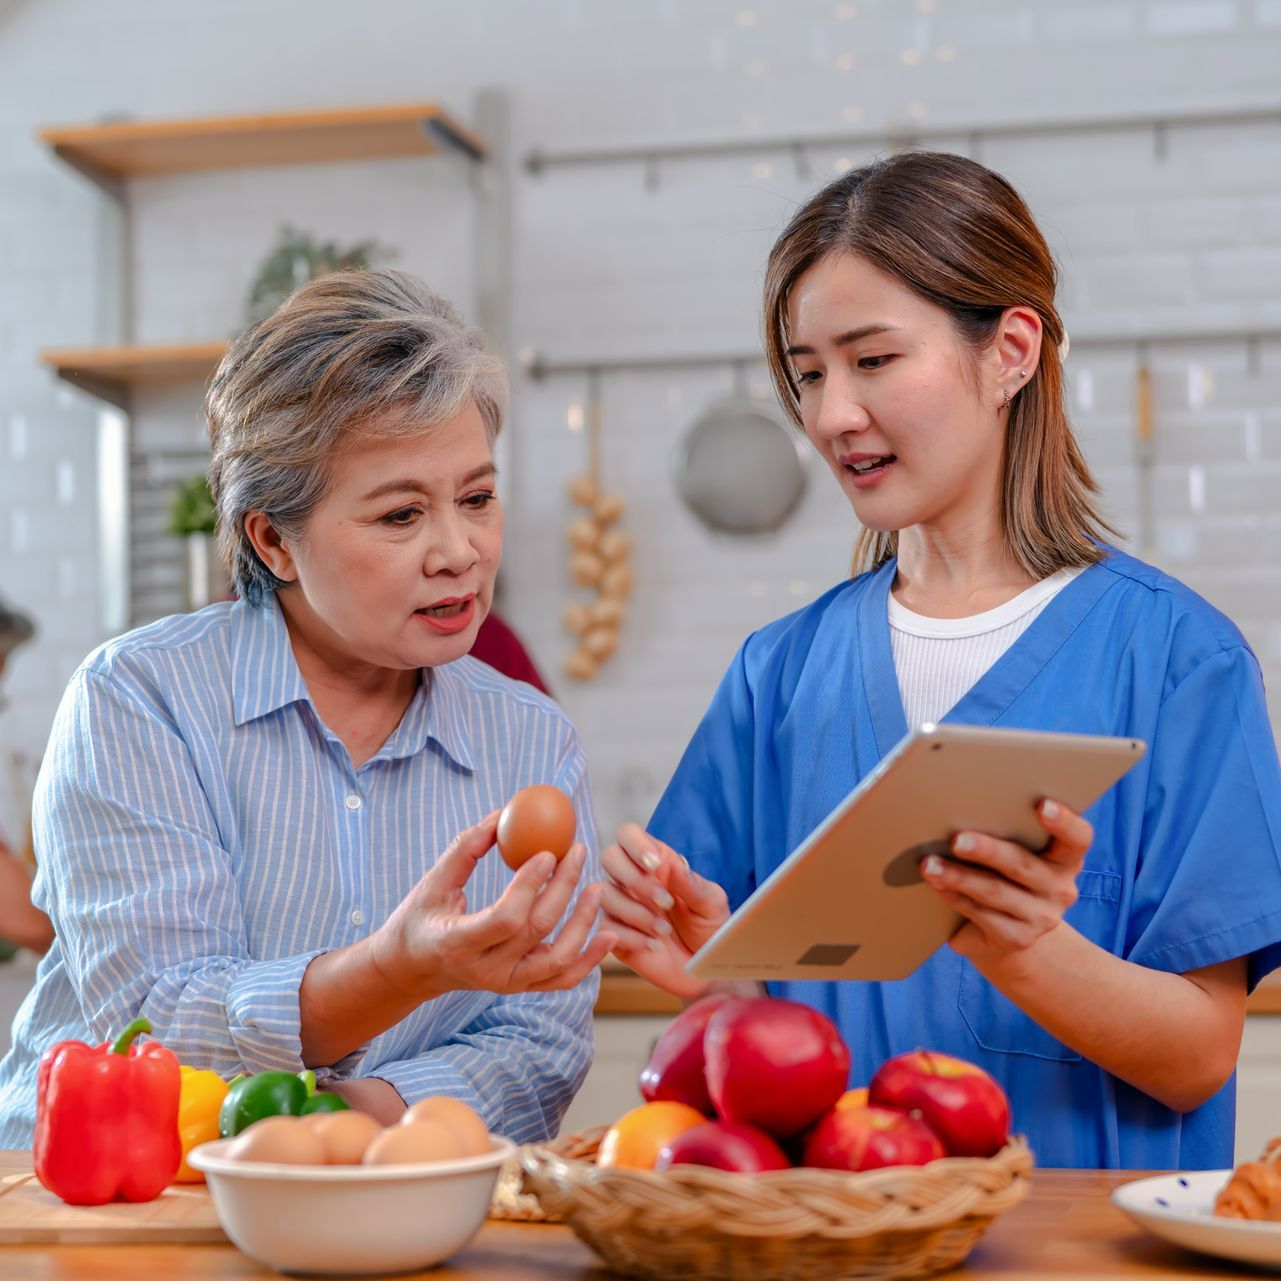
{"x":432,"y":943}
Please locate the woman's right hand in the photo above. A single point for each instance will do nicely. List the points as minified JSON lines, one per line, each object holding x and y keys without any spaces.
{"x":660,"y":910}
{"x":431,"y":944}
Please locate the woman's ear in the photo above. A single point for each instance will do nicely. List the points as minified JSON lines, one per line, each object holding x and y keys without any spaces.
{"x":271,"y":548}
{"x":1017,"y":351}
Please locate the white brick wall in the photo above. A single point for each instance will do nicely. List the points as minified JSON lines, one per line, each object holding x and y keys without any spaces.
{"x":606,"y":266}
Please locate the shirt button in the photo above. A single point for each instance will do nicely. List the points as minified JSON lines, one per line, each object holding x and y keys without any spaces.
{"x":353,"y":802}
{"x":358,"y":917}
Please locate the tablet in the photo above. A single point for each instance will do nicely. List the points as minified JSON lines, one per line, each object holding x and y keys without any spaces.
{"x":850,"y":903}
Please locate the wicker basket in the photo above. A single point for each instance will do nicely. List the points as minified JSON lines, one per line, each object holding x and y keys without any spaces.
{"x":789,"y":1225}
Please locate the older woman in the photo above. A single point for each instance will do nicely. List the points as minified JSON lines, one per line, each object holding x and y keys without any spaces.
{"x":265,"y":826}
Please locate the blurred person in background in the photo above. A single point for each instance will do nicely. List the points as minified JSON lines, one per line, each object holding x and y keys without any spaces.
{"x":265,"y":825}
{"x":22,"y":924}
{"x":913,"y":335}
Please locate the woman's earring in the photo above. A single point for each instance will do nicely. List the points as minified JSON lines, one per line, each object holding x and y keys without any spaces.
{"x":1005,"y":398}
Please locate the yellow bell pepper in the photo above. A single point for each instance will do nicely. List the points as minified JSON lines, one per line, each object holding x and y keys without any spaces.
{"x":198,"y":1104}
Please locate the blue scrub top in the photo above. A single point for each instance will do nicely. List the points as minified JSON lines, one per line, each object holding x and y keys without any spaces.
{"x":1184,"y":872}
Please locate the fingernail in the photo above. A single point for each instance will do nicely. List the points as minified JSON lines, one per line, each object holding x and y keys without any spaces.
{"x":653,"y":944}
{"x":685,"y":861}
{"x":650,"y":861}
{"x":1050,"y":809}
{"x":661,"y":926}
{"x":663,"y":899}
{"x":932,"y":865}
{"x":963,"y":843}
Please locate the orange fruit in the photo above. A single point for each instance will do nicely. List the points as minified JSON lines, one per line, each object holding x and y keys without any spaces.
{"x":635,"y":1139}
{"x":852,"y":1099}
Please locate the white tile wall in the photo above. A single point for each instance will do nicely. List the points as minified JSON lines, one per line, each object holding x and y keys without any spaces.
{"x":606,"y":264}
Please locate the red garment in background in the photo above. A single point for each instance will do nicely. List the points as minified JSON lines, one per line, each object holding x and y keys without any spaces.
{"x":500,"y":647}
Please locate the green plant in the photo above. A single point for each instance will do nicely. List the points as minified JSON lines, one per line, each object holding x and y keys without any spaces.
{"x":191,"y":510}
{"x":298,"y":258}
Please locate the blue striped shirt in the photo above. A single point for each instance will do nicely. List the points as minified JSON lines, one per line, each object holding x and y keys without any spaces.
{"x":202,"y":836}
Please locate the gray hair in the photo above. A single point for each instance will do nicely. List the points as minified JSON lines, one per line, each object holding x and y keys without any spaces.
{"x":15,"y":629}
{"x":349,"y":351}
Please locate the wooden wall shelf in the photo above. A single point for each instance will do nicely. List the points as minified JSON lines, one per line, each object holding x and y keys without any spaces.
{"x":111,"y":373}
{"x":111,"y":153}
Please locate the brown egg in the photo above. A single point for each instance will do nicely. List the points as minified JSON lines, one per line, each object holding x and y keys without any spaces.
{"x":283,"y":1139}
{"x":455,"y":1114}
{"x":535,"y":819}
{"x":345,"y":1135}
{"x":415,"y":1142}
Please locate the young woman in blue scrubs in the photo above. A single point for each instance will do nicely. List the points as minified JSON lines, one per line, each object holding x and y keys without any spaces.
{"x":912,"y":334}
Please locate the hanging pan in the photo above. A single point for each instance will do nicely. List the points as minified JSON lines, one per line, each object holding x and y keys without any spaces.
{"x":740,"y":469}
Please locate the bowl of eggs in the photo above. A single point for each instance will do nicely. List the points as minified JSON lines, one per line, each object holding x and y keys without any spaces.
{"x":338,"y":1193}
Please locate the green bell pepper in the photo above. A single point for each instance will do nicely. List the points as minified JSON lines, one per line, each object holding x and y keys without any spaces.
{"x":270,"y":1094}
{"x":325,"y":1101}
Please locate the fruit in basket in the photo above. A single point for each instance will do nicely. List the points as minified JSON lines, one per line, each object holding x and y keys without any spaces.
{"x":853,"y":1099}
{"x":537,"y":818}
{"x":868,"y":1138}
{"x":775,"y":1064}
{"x":724,"y":1145}
{"x":675,"y":1070}
{"x":634,"y":1141}
{"x":962,"y":1104}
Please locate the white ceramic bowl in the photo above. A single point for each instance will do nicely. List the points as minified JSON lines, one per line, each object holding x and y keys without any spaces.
{"x":348,"y":1219}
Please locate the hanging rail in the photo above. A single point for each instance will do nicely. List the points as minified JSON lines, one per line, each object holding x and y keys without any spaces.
{"x":906,"y":134}
{"x":540,"y":368}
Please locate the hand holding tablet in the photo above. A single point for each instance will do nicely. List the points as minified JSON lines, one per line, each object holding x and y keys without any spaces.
{"x":850,"y":902}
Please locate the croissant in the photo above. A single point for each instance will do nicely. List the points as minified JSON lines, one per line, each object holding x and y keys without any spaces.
{"x":1254,"y":1190}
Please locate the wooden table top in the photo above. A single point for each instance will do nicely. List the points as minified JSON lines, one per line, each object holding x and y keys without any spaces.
{"x":1065,"y":1227}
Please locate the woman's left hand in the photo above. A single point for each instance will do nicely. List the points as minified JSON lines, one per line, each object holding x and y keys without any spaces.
{"x":1009,"y":896}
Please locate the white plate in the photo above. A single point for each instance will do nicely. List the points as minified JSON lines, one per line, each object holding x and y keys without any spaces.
{"x":1180,"y":1208}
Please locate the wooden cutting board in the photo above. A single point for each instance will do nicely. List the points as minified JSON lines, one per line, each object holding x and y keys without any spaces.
{"x":30,"y":1215}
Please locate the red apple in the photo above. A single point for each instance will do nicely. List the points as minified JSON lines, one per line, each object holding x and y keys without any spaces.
{"x":675,"y":1068}
{"x":962,"y":1104}
{"x":775,"y":1064}
{"x":724,"y":1145}
{"x":868,"y":1138}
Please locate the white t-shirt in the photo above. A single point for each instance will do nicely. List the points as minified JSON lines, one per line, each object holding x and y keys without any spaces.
{"x":938,"y":660}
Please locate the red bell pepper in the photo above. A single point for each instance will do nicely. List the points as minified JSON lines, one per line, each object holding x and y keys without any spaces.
{"x":107,"y":1119}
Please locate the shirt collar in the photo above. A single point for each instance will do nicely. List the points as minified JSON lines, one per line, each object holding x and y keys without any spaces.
{"x":265,"y":678}
{"x":438,"y":714}
{"x":264,"y":671}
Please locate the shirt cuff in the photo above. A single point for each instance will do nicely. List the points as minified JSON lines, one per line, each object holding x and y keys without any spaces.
{"x":264,"y":1017}
{"x":415,"y":1079}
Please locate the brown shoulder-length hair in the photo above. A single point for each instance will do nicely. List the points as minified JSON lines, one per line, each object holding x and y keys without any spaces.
{"x":959,"y":236}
